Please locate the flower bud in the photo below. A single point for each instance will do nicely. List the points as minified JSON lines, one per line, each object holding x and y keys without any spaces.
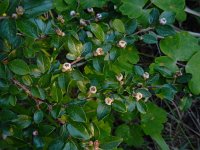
{"x":99,"y":52}
{"x":90,"y":10}
{"x":59,"y":32}
{"x":60,"y":18}
{"x":96,"y":145}
{"x":14,"y":16}
{"x":119,"y":77}
{"x":163,"y":21}
{"x":109,"y":101}
{"x":138,"y":96}
{"x":122,"y":44}
{"x":93,"y":89}
{"x":146,"y":75}
{"x":99,"y":16}
{"x":35,"y":133}
{"x":20,"y":10}
{"x":72,"y":13}
{"x":83,"y":22}
{"x":66,"y":67}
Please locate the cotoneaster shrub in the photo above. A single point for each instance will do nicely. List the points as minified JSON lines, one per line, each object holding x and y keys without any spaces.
{"x":73,"y":73}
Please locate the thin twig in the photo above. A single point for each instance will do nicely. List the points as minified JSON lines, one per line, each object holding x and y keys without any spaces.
{"x":190,"y":11}
{"x":3,"y":17}
{"x":27,"y":91}
{"x":143,"y":30}
{"x":77,"y":60}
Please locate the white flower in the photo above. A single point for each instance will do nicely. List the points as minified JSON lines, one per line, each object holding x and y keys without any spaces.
{"x":99,"y":52}
{"x":146,"y":75}
{"x":109,"y":101}
{"x":59,"y":32}
{"x":83,"y":22}
{"x":60,"y":18}
{"x":90,"y":10}
{"x":35,"y":133}
{"x":119,"y":77}
{"x":66,"y":67}
{"x":163,"y":21}
{"x":138,"y":96}
{"x":14,"y":15}
{"x":93,"y":89}
{"x":72,"y":13}
{"x":122,"y":44}
{"x":20,"y":10}
{"x":99,"y":16}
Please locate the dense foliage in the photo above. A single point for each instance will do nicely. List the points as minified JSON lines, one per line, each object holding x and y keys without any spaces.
{"x":93,"y":74}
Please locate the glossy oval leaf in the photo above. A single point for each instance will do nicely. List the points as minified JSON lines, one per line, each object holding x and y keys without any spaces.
{"x":97,"y":31}
{"x":193,"y":67}
{"x":76,"y":113}
{"x":78,"y":130}
{"x":19,"y":67}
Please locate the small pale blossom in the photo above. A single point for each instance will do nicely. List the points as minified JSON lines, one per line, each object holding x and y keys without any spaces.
{"x":83,"y":22}
{"x":14,"y":16}
{"x":93,"y":89}
{"x":163,"y":21}
{"x":90,"y":10}
{"x":66,"y":67}
{"x":72,"y":13}
{"x":60,"y":32}
{"x":122,"y":44}
{"x":35,"y":133}
{"x":138,"y":96}
{"x":20,"y":10}
{"x":109,"y":100}
{"x":146,"y":75}
{"x":99,"y":52}
{"x":119,"y":77}
{"x":99,"y":16}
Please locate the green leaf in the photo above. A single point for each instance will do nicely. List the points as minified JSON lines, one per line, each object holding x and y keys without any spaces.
{"x":185,"y":103}
{"x":45,"y":130}
{"x":78,"y":130}
{"x":75,"y":46}
{"x":38,"y":116}
{"x":150,"y":38}
{"x":132,"y":8}
{"x":60,"y":5}
{"x":180,"y":47}
{"x":19,"y":67}
{"x":165,"y":30}
{"x":166,"y":92}
{"x":9,"y":32}
{"x":56,"y":144}
{"x":160,"y":141}
{"x":193,"y":67}
{"x":92,"y":3}
{"x":12,"y":100}
{"x":56,"y":93}
{"x":22,"y":121}
{"x":118,"y":25}
{"x":98,"y":31}
{"x":103,"y":110}
{"x":38,"y":142}
{"x":152,"y":121}
{"x":28,"y":28}
{"x":35,"y":8}
{"x":43,"y":63}
{"x":70,"y":146}
{"x":176,"y":6}
{"x":110,"y":142}
{"x":76,"y":113}
{"x":169,"y":16}
{"x":3,"y":6}
{"x":119,"y":106}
